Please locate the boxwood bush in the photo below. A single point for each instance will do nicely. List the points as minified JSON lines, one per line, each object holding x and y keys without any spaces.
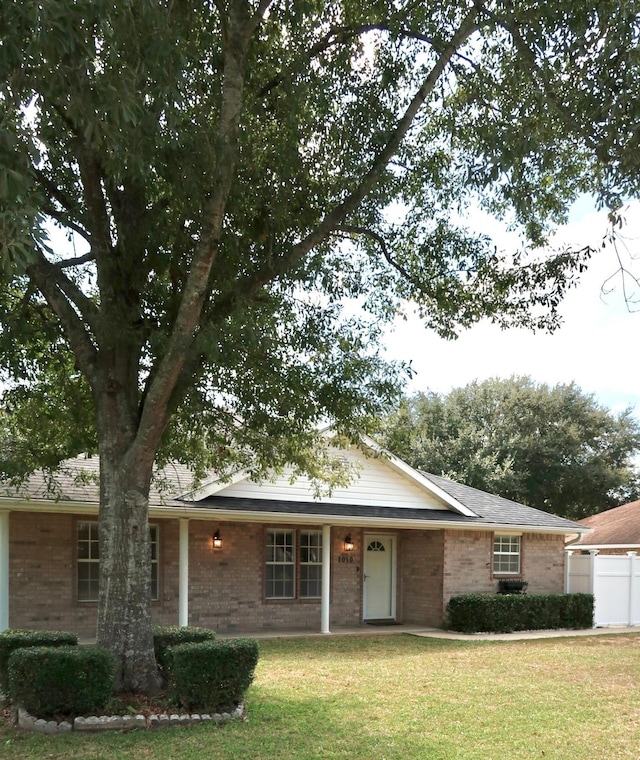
{"x":505,"y":613}
{"x":212,"y":676}
{"x":169,"y":636}
{"x":63,"y":680}
{"x":13,"y":639}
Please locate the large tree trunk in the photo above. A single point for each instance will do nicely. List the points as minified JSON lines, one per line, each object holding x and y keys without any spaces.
{"x":124,"y":611}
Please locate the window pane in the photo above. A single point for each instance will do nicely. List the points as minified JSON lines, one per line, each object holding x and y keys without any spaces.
{"x":310,"y":581}
{"x":506,"y":554}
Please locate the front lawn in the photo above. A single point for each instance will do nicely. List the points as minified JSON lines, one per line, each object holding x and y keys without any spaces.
{"x":404,"y":698}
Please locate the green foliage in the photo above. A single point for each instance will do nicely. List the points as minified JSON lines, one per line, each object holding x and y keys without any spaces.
{"x":67,"y":680}
{"x":13,"y":639}
{"x":214,"y":675}
{"x":505,"y":613}
{"x":169,"y":636}
{"x":553,"y":448}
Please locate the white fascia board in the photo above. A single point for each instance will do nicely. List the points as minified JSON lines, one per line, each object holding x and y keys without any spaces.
{"x":48,"y":505}
{"x":417,"y":477}
{"x":574,"y":547}
{"x":213,"y":487}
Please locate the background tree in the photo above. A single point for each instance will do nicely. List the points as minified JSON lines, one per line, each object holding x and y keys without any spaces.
{"x":554,"y":448}
{"x":190,"y":192}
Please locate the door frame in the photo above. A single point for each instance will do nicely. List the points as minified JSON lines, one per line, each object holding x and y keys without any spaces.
{"x":393,"y":541}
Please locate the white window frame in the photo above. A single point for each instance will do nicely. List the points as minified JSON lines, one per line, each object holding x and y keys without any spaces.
{"x":507,"y":554}
{"x":93,"y":559}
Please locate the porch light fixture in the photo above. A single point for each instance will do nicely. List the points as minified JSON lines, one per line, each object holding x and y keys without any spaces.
{"x":348,"y":543}
{"x":217,"y":540}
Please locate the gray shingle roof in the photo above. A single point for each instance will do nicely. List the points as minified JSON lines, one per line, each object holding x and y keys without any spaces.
{"x":496,"y":509}
{"x":77,"y":481}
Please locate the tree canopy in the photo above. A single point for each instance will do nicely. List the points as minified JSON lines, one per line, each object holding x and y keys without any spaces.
{"x":553,"y":448}
{"x":191,"y":193}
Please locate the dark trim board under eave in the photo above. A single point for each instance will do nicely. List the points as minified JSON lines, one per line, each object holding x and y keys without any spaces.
{"x":500,"y":513}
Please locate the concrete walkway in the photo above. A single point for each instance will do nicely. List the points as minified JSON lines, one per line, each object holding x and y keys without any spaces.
{"x":523,"y":635}
{"x":435,"y":633}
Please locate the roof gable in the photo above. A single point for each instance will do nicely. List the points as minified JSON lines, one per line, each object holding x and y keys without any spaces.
{"x":382,"y":480}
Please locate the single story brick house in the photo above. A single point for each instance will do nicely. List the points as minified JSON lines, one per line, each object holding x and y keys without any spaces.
{"x":243,"y":556}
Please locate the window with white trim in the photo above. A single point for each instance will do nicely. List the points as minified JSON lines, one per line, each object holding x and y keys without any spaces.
{"x":293,"y":564}
{"x":506,"y":554}
{"x":88,"y":561}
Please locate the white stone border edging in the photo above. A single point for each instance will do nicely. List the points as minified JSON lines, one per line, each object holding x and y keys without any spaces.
{"x":122,"y":722}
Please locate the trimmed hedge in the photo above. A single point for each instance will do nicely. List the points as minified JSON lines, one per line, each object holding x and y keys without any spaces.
{"x":165,"y":637}
{"x":214,"y":675}
{"x":13,"y":639}
{"x":505,"y":613}
{"x":65,"y":680}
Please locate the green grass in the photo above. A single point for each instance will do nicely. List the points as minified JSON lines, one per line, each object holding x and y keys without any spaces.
{"x":403,"y":697}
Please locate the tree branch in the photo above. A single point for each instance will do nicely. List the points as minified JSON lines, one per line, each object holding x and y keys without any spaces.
{"x":249,"y":285}
{"x":155,"y":412}
{"x":48,"y":279}
{"x":85,"y":307}
{"x":352,"y":230}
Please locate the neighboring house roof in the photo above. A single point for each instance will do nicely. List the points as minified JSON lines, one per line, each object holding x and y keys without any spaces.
{"x":389,"y":493}
{"x":614,"y":528}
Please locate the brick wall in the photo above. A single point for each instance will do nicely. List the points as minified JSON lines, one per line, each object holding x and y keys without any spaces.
{"x":226,"y":586}
{"x":42,"y":575}
{"x":543,"y":558}
{"x":421,"y":575}
{"x":467,"y":564}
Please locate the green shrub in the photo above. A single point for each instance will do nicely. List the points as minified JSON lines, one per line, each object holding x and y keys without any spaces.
{"x":64,"y":680}
{"x":504,"y":613}
{"x":169,"y":636}
{"x":13,"y":639}
{"x":213,"y":675}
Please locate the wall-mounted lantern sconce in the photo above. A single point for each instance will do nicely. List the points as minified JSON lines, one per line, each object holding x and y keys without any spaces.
{"x":348,"y":543}
{"x":217,"y":540}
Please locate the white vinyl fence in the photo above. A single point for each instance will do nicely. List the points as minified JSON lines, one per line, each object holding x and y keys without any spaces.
{"x":613,"y":579}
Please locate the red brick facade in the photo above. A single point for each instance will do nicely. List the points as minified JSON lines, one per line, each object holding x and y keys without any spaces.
{"x":226,"y":586}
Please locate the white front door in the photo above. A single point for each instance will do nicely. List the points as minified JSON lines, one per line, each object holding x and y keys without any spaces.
{"x":379,"y":600}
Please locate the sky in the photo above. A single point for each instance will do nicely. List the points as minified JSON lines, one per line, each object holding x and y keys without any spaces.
{"x":597,"y":346}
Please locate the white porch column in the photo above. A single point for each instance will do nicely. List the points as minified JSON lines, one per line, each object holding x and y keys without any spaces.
{"x":326,"y":579}
{"x":632,"y":585}
{"x":183,"y":575}
{"x":4,"y":570}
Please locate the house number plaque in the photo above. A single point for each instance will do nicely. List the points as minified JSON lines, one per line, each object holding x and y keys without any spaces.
{"x":347,"y":558}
